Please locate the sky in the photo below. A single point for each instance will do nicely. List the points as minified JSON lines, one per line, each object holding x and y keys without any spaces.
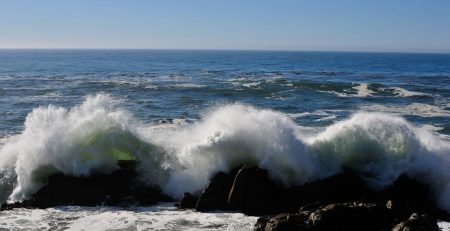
{"x":326,"y":25}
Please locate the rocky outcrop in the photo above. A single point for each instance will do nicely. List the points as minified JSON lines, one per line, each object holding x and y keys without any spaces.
{"x":345,"y":216}
{"x":120,"y":187}
{"x":214,"y":196}
{"x":252,"y":191}
{"x":339,"y":216}
{"x":349,"y":216}
{"x":416,"y":222}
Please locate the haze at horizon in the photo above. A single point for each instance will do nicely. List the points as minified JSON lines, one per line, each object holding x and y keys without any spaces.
{"x":400,"y":26}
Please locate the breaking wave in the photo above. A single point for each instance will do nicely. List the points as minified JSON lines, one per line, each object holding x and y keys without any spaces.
{"x":91,"y":137}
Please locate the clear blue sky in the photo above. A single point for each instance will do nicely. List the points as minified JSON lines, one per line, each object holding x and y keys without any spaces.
{"x":352,"y":25}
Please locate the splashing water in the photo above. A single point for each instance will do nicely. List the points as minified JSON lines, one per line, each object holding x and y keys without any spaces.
{"x":91,"y":137}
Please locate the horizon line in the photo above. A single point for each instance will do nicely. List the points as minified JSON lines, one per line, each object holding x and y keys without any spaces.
{"x":232,"y":49}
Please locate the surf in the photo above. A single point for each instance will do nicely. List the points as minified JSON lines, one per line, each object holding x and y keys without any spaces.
{"x":91,"y":137}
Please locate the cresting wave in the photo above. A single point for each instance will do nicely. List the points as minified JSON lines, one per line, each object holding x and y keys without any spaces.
{"x":91,"y":138}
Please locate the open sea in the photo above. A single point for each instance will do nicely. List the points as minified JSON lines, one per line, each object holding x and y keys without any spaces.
{"x":187,"y":114}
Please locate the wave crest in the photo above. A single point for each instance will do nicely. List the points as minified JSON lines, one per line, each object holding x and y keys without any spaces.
{"x":93,"y":136}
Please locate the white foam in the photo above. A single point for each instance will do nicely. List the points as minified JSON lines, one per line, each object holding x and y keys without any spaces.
{"x":159,"y":217}
{"x":182,"y":158}
{"x":401,"y":92}
{"x":444,"y":226}
{"x":417,"y":109}
{"x":363,"y":90}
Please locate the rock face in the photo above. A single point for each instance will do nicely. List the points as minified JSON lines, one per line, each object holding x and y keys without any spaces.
{"x":117,"y":188}
{"x":252,"y":191}
{"x":214,"y":196}
{"x":418,"y":222}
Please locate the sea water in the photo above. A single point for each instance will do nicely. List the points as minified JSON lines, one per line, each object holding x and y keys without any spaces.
{"x":185,"y":115}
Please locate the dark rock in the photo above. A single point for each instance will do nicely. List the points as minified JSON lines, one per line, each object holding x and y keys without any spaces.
{"x":214,"y":196}
{"x":284,"y":222}
{"x":188,"y":201}
{"x":407,"y":195}
{"x":117,"y":188}
{"x":418,"y":222}
{"x":252,"y":191}
{"x":342,"y":216}
{"x":349,"y":216}
{"x":343,"y":187}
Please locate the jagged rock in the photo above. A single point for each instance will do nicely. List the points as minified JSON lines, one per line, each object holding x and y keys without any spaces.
{"x":188,"y":201}
{"x":117,"y":188}
{"x":418,"y":222}
{"x":252,"y":191}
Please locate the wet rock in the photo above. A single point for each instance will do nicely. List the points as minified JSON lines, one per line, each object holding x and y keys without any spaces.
{"x":252,"y":191}
{"x":188,"y":201}
{"x":215,"y":195}
{"x":349,"y":216}
{"x":340,"y":216}
{"x":342,"y":187}
{"x":417,"y":222}
{"x":284,"y":222}
{"x":117,"y":188}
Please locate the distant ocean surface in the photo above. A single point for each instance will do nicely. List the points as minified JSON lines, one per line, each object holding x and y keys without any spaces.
{"x":188,"y":114}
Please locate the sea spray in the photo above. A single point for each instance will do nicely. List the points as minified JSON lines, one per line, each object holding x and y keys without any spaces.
{"x":83,"y":140}
{"x":93,"y":136}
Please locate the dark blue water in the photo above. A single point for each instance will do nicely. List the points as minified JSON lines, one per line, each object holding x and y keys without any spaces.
{"x":314,"y":88}
{"x":320,"y":91}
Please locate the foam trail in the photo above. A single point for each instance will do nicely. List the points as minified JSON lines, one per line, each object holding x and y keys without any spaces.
{"x":363,"y":90}
{"x":93,"y":136}
{"x":401,"y":92}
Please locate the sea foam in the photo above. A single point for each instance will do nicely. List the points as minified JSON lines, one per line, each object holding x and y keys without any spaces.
{"x":91,"y":138}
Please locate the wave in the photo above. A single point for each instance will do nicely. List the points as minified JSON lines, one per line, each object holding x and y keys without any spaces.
{"x":91,"y":137}
{"x":416,"y":109}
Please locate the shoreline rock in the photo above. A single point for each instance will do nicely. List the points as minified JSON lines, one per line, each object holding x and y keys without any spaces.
{"x":342,"y":200}
{"x":119,"y":188}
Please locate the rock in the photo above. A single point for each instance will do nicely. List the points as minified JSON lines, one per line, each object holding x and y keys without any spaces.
{"x":284,"y":222}
{"x":340,"y":216}
{"x":117,"y":188}
{"x":349,"y":216}
{"x":215,"y":195}
{"x":418,"y":222}
{"x":188,"y":201}
{"x":342,"y":187}
{"x":407,"y":195}
{"x":252,"y":191}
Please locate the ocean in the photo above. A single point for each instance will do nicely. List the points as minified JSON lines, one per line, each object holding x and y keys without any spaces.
{"x":187,"y":114}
